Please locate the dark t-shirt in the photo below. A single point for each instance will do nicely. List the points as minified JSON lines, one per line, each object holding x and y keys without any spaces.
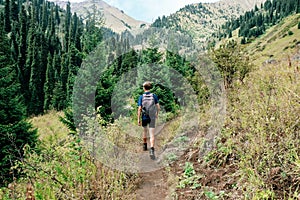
{"x":141,"y":100}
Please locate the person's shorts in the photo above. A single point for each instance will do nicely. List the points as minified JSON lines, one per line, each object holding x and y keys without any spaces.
{"x":150,"y":121}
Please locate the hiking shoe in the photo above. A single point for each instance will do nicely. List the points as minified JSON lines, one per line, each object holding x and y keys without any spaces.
{"x":145,"y":146}
{"x":152,"y":155}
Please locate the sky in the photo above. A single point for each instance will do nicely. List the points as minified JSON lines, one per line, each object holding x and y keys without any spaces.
{"x":149,"y":10}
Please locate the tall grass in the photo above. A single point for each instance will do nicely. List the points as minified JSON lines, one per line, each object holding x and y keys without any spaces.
{"x":261,"y":135}
{"x":267,"y":132}
{"x":64,"y":169}
{"x":258,"y":150}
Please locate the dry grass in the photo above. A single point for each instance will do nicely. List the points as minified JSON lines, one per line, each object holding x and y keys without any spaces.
{"x":49,"y":126}
{"x":257,"y":153}
{"x":64,"y":169}
{"x":276,"y":43}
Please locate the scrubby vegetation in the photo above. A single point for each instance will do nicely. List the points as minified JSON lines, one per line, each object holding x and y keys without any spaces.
{"x":64,"y":169}
{"x":257,"y":152}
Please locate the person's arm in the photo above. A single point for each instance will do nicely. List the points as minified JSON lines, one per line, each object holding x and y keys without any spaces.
{"x":157,"y":105}
{"x":157,"y":109}
{"x":139,"y":110}
{"x":139,"y":115}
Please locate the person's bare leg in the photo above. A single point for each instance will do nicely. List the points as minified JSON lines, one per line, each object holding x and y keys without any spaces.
{"x":152,"y":141}
{"x":145,"y":131}
{"x":152,"y":136}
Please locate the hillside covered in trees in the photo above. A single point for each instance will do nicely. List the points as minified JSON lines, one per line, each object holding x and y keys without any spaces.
{"x":255,"y":22}
{"x":48,"y":45}
{"x":42,"y":47}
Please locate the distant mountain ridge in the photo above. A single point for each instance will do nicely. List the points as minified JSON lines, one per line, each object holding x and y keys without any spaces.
{"x":114,"y":18}
{"x":201,"y":20}
{"x":243,"y":4}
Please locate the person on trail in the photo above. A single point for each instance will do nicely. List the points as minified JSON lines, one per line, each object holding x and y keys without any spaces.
{"x":148,"y":109}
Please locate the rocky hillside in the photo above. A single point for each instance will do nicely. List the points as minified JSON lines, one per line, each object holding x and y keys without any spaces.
{"x":243,"y":4}
{"x":114,"y":18}
{"x":202,"y":19}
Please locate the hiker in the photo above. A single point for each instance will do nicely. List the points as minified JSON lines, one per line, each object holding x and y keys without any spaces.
{"x":148,"y":109}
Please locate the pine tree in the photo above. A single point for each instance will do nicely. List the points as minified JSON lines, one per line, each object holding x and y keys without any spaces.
{"x":35,"y":11}
{"x":44,"y":20}
{"x":14,"y":10}
{"x":14,"y":44}
{"x":151,"y":56}
{"x":298,"y":6}
{"x":63,"y":84}
{"x":57,"y":17}
{"x":267,"y":5}
{"x":37,"y":76}
{"x":73,"y":66}
{"x":58,"y":99}
{"x":74,"y":27}
{"x":7,"y":23}
{"x":27,"y":51}
{"x":93,"y":35}
{"x":79,"y":33}
{"x":129,"y":61}
{"x":52,"y":39}
{"x":243,"y":40}
{"x":50,"y":83}
{"x":67,"y":27}
{"x":57,"y":65}
{"x":15,"y":132}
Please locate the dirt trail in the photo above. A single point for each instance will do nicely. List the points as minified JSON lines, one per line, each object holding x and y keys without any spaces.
{"x":153,"y":186}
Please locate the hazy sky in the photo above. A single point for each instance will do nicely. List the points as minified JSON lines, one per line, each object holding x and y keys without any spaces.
{"x":149,"y":10}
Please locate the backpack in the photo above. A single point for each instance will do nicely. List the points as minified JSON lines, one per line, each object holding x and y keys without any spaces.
{"x":148,"y":105}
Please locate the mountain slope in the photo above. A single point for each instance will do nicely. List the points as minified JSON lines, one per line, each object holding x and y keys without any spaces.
{"x":279,"y":43}
{"x":243,"y":4}
{"x":114,"y":18}
{"x":203,"y":19}
{"x":256,"y":156}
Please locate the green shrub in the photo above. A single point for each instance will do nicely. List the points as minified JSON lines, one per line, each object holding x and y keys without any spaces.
{"x":290,"y":32}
